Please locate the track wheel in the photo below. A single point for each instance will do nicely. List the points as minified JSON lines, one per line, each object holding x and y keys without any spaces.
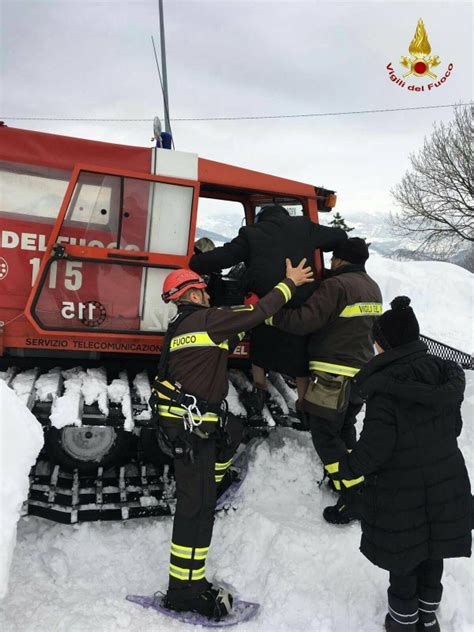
{"x":88,"y":447}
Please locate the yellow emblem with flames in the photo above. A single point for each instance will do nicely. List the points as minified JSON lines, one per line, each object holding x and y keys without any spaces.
{"x":420,"y":63}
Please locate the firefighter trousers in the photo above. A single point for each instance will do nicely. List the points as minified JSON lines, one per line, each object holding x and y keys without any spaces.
{"x":333,"y":438}
{"x":197,"y":477}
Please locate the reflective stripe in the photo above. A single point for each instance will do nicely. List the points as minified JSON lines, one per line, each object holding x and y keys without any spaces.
{"x":332,"y":467}
{"x":242,"y":308}
{"x":186,"y":574}
{"x":218,"y":477}
{"x":396,"y":616}
{"x":167,"y":385}
{"x":285,"y":290}
{"x":195,"y":339}
{"x":353,"y":481}
{"x":337,"y":485}
{"x":223,"y":466}
{"x":337,"y":369}
{"x":429,"y":603}
{"x":269,"y":321}
{"x":177,"y":413}
{"x":186,"y":552}
{"x":361,"y":309}
{"x":241,"y":336}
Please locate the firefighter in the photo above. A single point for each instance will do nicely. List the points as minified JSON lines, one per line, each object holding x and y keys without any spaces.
{"x":188,"y":396}
{"x":339,"y":317}
{"x":263,"y":247}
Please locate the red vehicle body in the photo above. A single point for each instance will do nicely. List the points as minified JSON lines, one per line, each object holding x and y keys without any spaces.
{"x":82,"y":276}
{"x":88,"y":232}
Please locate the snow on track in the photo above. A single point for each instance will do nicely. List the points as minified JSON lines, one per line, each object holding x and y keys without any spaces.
{"x":276,"y":549}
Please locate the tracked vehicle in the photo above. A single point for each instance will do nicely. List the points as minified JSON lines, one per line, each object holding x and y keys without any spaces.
{"x":89,"y":230}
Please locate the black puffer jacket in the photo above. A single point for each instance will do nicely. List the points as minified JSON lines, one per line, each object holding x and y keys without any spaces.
{"x":417,"y":499}
{"x":263,"y":248}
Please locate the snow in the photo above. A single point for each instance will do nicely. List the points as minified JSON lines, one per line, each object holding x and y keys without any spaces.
{"x":47,"y":385}
{"x":66,"y":410}
{"x":21,"y":439}
{"x":441,"y":296}
{"x":119,"y":393}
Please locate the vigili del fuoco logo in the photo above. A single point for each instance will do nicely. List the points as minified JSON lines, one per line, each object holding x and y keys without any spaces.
{"x":420,"y":65}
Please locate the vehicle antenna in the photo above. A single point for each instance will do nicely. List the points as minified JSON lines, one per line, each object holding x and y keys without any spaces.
{"x":163,"y":78}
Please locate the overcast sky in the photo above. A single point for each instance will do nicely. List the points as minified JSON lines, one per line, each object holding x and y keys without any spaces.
{"x":95,"y":59}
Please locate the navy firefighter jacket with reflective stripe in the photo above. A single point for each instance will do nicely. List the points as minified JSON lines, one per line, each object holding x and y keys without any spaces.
{"x":200,"y":346}
{"x":339,"y":315}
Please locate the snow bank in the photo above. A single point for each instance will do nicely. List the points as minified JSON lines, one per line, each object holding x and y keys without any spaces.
{"x":441,"y":293}
{"x":21,"y":439}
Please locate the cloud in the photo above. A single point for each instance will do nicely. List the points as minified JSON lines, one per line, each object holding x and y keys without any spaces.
{"x":95,"y":59}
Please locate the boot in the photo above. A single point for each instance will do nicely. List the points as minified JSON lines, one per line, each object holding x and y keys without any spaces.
{"x":213,"y":602}
{"x":340,"y":513}
{"x":428,"y":622}
{"x":393,"y":626}
{"x":254,"y":400}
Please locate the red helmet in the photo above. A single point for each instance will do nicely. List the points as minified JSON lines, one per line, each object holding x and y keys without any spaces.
{"x":178,"y":281}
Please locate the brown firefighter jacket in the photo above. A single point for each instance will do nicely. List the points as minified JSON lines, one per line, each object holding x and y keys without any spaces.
{"x":339,"y":316}
{"x":200,"y":346}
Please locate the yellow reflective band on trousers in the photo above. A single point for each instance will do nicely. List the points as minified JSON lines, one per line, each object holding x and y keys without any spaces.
{"x":361,"y":309}
{"x":223,"y":466}
{"x":174,"y":412}
{"x":285,"y":290}
{"x":186,"y":574}
{"x":352,"y":482}
{"x":221,"y":469}
{"x":195,"y":339}
{"x":337,"y":369}
{"x":333,"y":468}
{"x":186,"y":552}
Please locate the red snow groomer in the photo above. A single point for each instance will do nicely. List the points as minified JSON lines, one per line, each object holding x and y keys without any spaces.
{"x":89,"y":230}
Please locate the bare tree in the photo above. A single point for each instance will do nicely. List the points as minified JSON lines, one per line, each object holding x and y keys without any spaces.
{"x":435,"y":196}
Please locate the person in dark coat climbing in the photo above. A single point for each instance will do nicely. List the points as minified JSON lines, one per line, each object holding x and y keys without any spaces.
{"x":416,"y":502}
{"x":263,"y":247}
{"x":188,"y":399}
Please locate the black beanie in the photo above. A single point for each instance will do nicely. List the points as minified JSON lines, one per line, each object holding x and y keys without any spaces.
{"x":397,"y":326}
{"x":354,"y":250}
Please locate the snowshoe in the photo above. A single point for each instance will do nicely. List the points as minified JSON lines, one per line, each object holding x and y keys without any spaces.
{"x":393,"y":626}
{"x":241,"y":611}
{"x":214,"y":603}
{"x":340,"y":513}
{"x":237,"y":473}
{"x":231,"y":476}
{"x":428,"y":622}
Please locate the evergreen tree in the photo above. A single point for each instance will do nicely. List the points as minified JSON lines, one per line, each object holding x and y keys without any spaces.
{"x":339,"y":222}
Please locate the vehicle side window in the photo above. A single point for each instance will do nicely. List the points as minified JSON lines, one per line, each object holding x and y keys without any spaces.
{"x":31,"y":191}
{"x":219,"y":220}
